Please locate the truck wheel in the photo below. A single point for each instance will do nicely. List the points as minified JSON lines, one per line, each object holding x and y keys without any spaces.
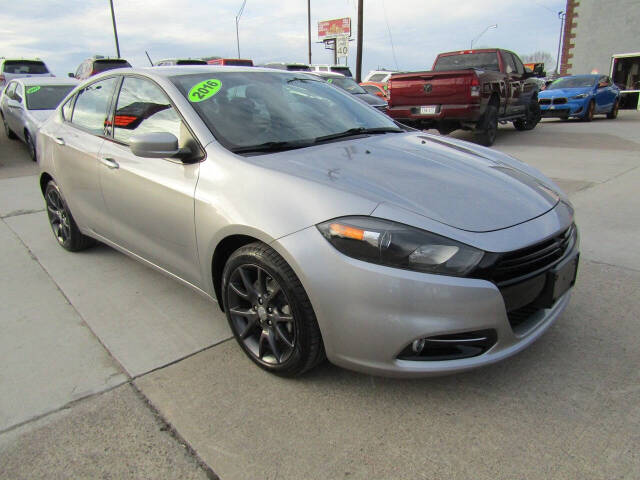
{"x":487,"y":127}
{"x":531,"y":118}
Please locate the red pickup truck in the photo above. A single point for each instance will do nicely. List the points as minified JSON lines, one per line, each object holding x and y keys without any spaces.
{"x":468,"y":89}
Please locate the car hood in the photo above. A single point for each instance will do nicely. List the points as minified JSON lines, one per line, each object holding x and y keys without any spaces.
{"x":564,"y":92}
{"x":428,"y":175}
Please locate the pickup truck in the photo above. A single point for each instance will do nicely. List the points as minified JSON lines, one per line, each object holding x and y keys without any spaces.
{"x":467,"y":89}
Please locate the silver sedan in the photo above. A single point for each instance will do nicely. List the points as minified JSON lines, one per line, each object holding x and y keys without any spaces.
{"x":27,"y":102}
{"x":321,"y":227}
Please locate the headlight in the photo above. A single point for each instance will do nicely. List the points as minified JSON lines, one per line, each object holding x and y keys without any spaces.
{"x":396,"y":245}
{"x":580,"y":95}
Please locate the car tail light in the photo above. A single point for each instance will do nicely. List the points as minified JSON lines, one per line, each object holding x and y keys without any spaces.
{"x":475,"y":86}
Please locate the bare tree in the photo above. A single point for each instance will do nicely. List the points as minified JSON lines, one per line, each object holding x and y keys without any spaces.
{"x":539,"y":57}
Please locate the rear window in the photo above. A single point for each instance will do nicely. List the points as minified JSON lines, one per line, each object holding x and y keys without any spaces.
{"x":104,"y":65}
{"x":191,"y":62}
{"x":29,"y":67}
{"x":298,"y":68}
{"x":238,"y":63}
{"x":46,"y":97}
{"x":378,"y":77}
{"x":463,"y":61}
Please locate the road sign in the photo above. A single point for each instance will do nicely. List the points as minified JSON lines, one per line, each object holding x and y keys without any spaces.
{"x":342,"y":46}
{"x":334,"y":28}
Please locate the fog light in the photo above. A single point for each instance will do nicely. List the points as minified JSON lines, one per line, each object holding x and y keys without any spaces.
{"x":418,"y":345}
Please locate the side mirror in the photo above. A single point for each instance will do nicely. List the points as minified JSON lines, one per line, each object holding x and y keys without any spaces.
{"x":154,"y":145}
{"x":71,"y":75}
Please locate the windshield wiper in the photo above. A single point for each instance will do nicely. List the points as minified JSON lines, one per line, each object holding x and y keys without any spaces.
{"x":273,"y":146}
{"x":357,"y":131}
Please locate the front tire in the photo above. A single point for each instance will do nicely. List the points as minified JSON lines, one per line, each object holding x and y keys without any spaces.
{"x":487,"y":128}
{"x":531,"y":119}
{"x":614,"y":111}
{"x":62,"y":223}
{"x":269,"y":312}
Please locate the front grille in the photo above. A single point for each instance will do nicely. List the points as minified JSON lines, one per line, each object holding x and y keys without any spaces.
{"x":513,"y":266}
{"x":544,"y":101}
{"x":521,"y":315}
{"x":559,"y":101}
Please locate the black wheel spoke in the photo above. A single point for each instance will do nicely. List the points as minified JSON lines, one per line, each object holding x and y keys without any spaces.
{"x":260,"y":315}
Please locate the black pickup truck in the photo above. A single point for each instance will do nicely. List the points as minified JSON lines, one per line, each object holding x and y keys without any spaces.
{"x":468,"y":89}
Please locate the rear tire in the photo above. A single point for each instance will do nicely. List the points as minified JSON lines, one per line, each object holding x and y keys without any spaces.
{"x":588,"y":115}
{"x":532,"y":117}
{"x":8,"y":132}
{"x":614,"y":111}
{"x":269,"y":312}
{"x":63,"y":225}
{"x":487,"y":128}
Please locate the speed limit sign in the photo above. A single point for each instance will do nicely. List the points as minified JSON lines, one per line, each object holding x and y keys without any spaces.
{"x":342,"y":46}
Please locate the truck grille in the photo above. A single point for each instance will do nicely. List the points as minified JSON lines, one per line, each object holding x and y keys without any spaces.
{"x":513,"y":266}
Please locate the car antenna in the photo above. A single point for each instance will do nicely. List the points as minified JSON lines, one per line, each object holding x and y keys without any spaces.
{"x":147,"y":54}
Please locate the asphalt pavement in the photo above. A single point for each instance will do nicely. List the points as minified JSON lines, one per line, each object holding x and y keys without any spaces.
{"x":110,"y":370}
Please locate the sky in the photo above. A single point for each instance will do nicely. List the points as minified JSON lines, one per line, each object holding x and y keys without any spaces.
{"x":65,"y":32}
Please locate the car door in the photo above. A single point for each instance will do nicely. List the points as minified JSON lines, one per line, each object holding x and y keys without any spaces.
{"x":605,"y":95}
{"x":150,"y":200}
{"x":15,"y":111}
{"x":77,"y":140}
{"x":514,"y":81}
{"x":8,"y":95}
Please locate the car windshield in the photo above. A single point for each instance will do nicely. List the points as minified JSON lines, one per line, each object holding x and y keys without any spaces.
{"x":29,"y":67}
{"x":46,"y":97}
{"x":480,"y":60}
{"x":573,"y":82}
{"x":280,"y":110}
{"x":378,"y":77}
{"x":347,"y":84}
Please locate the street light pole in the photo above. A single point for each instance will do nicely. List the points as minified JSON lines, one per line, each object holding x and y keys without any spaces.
{"x":309,"y":27}
{"x":483,"y":32}
{"x":115,"y":30}
{"x":561,"y":16}
{"x":359,"y":42}
{"x":238,"y":21}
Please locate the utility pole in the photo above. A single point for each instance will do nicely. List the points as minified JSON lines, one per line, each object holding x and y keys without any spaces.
{"x":359,"y":42}
{"x":309,"y":27}
{"x":561,"y":16}
{"x":238,"y":21}
{"x":115,"y":30}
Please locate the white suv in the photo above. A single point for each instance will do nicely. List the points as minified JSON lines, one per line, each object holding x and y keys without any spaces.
{"x":17,"y":68}
{"x":381,"y":76}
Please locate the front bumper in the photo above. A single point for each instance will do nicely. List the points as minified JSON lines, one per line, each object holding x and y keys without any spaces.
{"x":368,"y":314}
{"x":573,"y":108}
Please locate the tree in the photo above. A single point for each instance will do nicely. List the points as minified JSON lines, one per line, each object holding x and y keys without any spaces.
{"x":539,"y":57}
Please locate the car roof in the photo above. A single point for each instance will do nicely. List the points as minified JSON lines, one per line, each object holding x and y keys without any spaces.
{"x":328,"y":74}
{"x":42,"y":81}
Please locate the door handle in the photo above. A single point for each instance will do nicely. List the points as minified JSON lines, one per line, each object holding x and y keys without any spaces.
{"x":109,"y":162}
{"x":59,"y":140}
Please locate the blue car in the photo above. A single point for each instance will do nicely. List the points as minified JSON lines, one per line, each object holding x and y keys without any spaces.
{"x":580,"y":96}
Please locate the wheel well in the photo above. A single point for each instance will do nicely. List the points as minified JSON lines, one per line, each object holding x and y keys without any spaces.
{"x":223,"y":251}
{"x":44,"y":179}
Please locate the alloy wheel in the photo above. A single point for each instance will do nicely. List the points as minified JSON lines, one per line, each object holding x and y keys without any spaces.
{"x":261,"y":314}
{"x":58,"y":216}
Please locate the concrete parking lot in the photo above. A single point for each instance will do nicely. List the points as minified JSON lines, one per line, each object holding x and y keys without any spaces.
{"x":110,"y":370}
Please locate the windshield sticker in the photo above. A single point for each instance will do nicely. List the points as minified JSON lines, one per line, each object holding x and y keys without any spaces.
{"x":32,"y":90}
{"x":204,"y":90}
{"x":329,"y":80}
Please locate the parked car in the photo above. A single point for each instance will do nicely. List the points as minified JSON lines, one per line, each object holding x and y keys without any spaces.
{"x":179,"y":61}
{"x":375,"y":88}
{"x":11,"y":68}
{"x":235,"y":62}
{"x":469,"y":90}
{"x":97,"y":64}
{"x":379,"y":76}
{"x":349,"y":85}
{"x":580,"y":96}
{"x":27,"y":102}
{"x":292,"y":67}
{"x":343,"y":69}
{"x":319,"y":225}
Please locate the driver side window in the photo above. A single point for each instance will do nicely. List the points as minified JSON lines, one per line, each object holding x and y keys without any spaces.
{"x":508,"y":61}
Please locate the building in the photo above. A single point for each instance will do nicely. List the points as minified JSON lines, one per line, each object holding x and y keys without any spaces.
{"x":602,"y":36}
